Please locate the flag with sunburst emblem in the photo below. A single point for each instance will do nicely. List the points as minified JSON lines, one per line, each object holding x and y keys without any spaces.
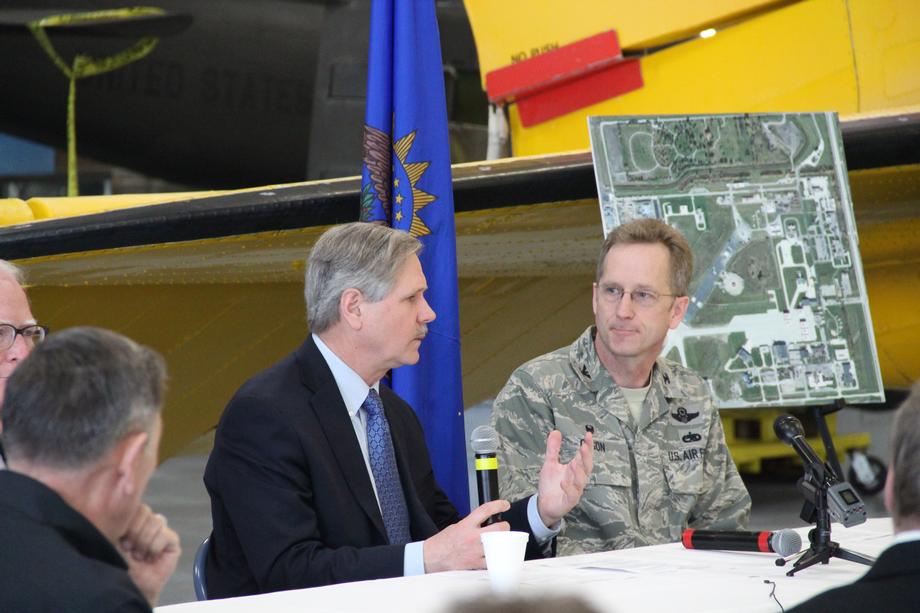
{"x":406,"y":183}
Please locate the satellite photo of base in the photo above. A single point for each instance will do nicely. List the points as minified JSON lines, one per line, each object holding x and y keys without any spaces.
{"x":778,"y":314}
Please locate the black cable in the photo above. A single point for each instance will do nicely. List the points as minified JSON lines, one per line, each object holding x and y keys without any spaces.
{"x":773,"y":595}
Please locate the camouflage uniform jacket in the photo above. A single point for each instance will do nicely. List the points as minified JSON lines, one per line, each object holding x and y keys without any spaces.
{"x":649,"y":482}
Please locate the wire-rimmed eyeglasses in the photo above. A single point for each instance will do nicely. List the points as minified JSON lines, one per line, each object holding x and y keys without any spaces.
{"x":644,"y":298}
{"x":33,"y":334}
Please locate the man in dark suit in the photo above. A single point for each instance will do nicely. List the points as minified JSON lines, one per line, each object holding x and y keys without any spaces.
{"x":82,"y":428}
{"x":893,"y":583}
{"x":321,"y":475}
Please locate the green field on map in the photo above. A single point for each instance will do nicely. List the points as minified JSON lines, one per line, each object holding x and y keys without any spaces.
{"x":778,"y":313}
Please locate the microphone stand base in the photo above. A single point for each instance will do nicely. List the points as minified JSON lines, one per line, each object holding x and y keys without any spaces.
{"x":824,"y":554}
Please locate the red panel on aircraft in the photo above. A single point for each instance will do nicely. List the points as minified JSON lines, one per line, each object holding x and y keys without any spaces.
{"x":617,"y":79}
{"x":565,"y":79}
{"x":571,"y":61}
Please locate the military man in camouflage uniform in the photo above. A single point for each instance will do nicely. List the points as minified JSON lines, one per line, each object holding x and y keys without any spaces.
{"x":660,"y":460}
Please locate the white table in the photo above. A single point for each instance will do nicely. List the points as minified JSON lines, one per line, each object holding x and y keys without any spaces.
{"x":660,"y":578}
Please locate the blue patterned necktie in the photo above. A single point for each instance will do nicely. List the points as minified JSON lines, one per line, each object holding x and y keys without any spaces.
{"x":386,"y":475}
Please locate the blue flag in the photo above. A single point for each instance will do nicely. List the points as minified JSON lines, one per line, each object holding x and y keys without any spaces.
{"x":406,"y":183}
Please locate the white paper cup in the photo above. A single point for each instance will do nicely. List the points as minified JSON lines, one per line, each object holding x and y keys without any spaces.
{"x":504,"y":558}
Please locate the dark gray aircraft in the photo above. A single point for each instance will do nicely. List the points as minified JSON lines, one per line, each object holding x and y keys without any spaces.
{"x":236,"y":93}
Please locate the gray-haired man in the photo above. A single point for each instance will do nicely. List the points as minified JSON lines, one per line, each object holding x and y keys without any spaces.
{"x":19,"y":332}
{"x":82,"y":428}
{"x":321,"y":475}
{"x":661,"y":463}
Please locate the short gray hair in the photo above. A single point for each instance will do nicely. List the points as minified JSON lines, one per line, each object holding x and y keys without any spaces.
{"x":905,"y":459}
{"x":10,"y":269}
{"x":359,"y":255}
{"x":77,"y":395}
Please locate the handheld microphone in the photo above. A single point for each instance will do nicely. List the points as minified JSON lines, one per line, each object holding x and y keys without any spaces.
{"x":484,"y":441}
{"x":783,"y":542}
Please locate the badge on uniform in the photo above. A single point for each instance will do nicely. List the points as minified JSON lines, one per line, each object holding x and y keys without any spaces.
{"x":683,"y":416}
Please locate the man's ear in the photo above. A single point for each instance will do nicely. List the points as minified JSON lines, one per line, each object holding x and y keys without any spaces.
{"x":889,"y":490}
{"x":128,"y":454}
{"x":350,"y":304}
{"x":678,"y":310}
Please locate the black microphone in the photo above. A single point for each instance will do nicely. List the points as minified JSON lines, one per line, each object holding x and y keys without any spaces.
{"x":783,"y":542}
{"x":840,"y":499}
{"x":484,"y":441}
{"x":789,"y":430}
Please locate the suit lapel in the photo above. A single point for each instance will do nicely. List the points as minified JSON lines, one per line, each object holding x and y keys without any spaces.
{"x":327,"y":404}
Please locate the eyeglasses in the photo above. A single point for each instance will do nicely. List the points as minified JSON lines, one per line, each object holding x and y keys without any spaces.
{"x":644,"y":298}
{"x":33,"y":334}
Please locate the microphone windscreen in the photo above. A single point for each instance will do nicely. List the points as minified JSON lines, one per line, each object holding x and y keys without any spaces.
{"x":787,"y":427}
{"x":484,"y":439}
{"x":786,"y":542}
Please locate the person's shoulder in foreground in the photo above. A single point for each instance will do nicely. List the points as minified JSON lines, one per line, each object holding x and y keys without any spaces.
{"x":890,"y":585}
{"x":60,"y":560}
{"x":82,"y":427}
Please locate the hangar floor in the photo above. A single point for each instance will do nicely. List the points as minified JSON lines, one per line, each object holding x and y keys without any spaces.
{"x":176,"y":490}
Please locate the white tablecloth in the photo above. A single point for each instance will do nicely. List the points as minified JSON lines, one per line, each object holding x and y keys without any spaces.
{"x":660,"y":578}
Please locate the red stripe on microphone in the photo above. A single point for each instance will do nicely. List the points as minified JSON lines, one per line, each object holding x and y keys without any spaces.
{"x":763,"y":542}
{"x":687,"y":538}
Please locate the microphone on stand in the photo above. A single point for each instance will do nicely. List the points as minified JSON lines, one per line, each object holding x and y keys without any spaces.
{"x":484,"y":441}
{"x":837,"y":497}
{"x":783,"y":542}
{"x":789,"y":430}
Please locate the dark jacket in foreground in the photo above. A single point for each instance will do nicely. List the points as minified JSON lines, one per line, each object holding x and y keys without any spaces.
{"x":891,"y":585}
{"x":53,"y":559}
{"x":291,"y":499}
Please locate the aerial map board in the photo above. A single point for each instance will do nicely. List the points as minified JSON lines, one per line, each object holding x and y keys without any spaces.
{"x":778,"y":314}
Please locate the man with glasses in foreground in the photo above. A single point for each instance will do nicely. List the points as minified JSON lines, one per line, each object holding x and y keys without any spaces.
{"x":19,"y":332}
{"x":660,"y":460}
